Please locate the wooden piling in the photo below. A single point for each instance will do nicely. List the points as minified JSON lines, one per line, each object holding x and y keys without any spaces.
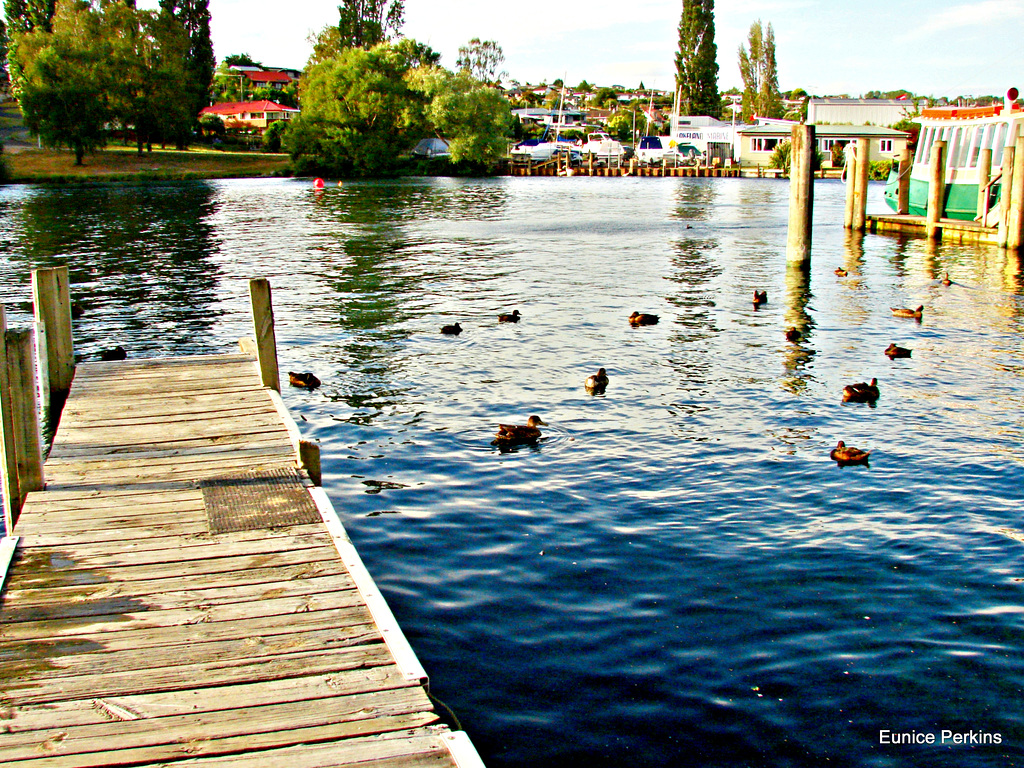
{"x":51,"y":295}
{"x":1006,"y":192}
{"x":860,"y":185}
{"x":851,"y":175}
{"x":936,"y":191}
{"x":263,"y":330}
{"x":984,"y":175}
{"x":903,"y":182}
{"x":28,"y":444}
{"x":8,"y":452}
{"x":1015,"y":214}
{"x":801,"y":195}
{"x":309,"y":460}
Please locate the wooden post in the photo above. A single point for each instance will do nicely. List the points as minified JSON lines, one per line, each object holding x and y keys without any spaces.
{"x":903,"y":182}
{"x":851,"y":184}
{"x":936,"y":190}
{"x":801,"y":195}
{"x":263,"y":329}
{"x":1015,"y":215}
{"x":52,"y":298}
{"x":28,"y":444}
{"x":860,"y":185}
{"x":8,"y":452}
{"x":984,"y":174}
{"x":309,"y":460}
{"x":1005,"y":193}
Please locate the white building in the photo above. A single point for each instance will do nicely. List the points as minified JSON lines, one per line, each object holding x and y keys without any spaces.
{"x":858,"y":111}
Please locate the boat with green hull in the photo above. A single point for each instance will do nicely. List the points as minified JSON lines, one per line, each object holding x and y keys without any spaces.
{"x":972,"y":191}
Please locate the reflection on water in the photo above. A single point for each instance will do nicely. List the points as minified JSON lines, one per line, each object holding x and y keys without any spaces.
{"x":676,"y":573}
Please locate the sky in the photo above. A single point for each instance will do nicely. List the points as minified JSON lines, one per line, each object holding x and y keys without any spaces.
{"x":827,"y":47}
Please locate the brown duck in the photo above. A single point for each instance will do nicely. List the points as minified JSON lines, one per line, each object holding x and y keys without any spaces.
{"x":638,"y":319}
{"x":844,"y":454}
{"x":597,"y":383}
{"x":307,"y":380}
{"x":792,"y":334}
{"x":451,"y":330}
{"x":513,"y":318}
{"x":760,"y":297}
{"x":946,"y":281}
{"x":905,"y":312}
{"x":840,"y":272}
{"x":892,"y":352}
{"x":516,"y":434}
{"x":861,"y":392}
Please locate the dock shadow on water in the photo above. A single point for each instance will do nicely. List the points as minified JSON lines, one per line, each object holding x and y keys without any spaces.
{"x":676,"y":573}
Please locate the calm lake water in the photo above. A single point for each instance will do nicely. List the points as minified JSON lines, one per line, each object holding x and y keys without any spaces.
{"x":677,"y":574}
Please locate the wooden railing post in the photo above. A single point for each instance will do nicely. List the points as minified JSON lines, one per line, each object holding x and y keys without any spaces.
{"x":850,"y":156}
{"x":1015,"y":215}
{"x":8,"y":452}
{"x":801,"y":195}
{"x":936,"y":191}
{"x":25,"y":432}
{"x":263,"y":330}
{"x":52,"y":298}
{"x":903,"y":182}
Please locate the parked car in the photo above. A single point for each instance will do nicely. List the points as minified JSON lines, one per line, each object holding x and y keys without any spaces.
{"x":652,"y":150}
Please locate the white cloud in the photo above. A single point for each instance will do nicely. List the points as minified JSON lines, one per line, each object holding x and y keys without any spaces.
{"x":985,"y":13}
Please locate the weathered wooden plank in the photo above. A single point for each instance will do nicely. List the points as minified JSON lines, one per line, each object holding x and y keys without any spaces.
{"x":153,"y":706}
{"x":182,"y":729}
{"x":53,"y":499}
{"x":83,"y":520}
{"x":156,"y":637}
{"x":36,"y":690}
{"x":176,"y":459}
{"x":180,"y":475}
{"x":200,"y":446}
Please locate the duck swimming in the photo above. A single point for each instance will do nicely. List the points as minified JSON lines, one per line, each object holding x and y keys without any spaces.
{"x":597,"y":383}
{"x":638,"y":319}
{"x":451,"y":330}
{"x":760,"y":297}
{"x":792,"y":334}
{"x":517,"y":434}
{"x":840,"y":272}
{"x":861,"y":392}
{"x":513,"y":318}
{"x":844,"y":454}
{"x":904,"y":312}
{"x":307,"y":380}
{"x":892,"y":352}
{"x":117,"y":353}
{"x":946,"y":281}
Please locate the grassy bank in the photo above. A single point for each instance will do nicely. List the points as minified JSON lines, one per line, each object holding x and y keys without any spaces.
{"x":29,"y":164}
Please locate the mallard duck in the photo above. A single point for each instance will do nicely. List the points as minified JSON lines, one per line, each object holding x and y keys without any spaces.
{"x":904,"y":312}
{"x":307,"y":380}
{"x":597,"y":383}
{"x":638,"y":318}
{"x":760,"y":297}
{"x":946,"y":281}
{"x":117,"y":353}
{"x":861,"y":392}
{"x":892,"y":352}
{"x":510,"y":434}
{"x":513,"y":318}
{"x":844,"y":454}
{"x":840,"y":272}
{"x":792,"y":334}
{"x":451,"y":330}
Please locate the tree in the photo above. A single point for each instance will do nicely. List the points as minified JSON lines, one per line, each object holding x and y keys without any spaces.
{"x":62,"y":92}
{"x":697,"y":60}
{"x":240,"y":60}
{"x":199,"y":62}
{"x":482,"y":60}
{"x":24,"y":16}
{"x":473,"y":117}
{"x":365,"y":23}
{"x":760,"y":74}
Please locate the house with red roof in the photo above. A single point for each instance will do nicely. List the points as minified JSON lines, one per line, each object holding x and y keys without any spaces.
{"x":268,"y":78}
{"x":249,"y":114}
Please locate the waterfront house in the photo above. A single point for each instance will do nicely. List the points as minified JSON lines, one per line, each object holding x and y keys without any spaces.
{"x":757,"y":142}
{"x":249,"y":114}
{"x":858,"y":111}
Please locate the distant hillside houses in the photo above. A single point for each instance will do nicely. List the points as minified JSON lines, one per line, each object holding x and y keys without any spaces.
{"x":249,"y":114}
{"x":267,"y":77}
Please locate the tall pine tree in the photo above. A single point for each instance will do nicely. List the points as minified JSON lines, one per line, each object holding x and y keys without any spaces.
{"x":761,"y":97}
{"x":200,"y":63}
{"x":697,"y":60}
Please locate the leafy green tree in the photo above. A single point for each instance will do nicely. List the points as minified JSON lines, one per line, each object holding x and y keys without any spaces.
{"x":62,"y":92}
{"x":240,"y":60}
{"x":620,"y":125}
{"x":365,"y":23}
{"x":584,"y":87}
{"x":474,"y":118}
{"x":272,"y":136}
{"x":482,"y":60}
{"x":24,"y":16}
{"x":604,"y":96}
{"x":760,"y":75}
{"x":697,"y":59}
{"x":358,"y":111}
{"x":194,"y":18}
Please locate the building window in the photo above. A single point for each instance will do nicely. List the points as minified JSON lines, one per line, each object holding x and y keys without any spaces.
{"x":826,"y":144}
{"x":763,"y":145}
{"x":885,"y":146}
{"x":256,"y":116}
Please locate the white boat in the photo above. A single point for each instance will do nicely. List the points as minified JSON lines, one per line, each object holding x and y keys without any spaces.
{"x":966,"y":131}
{"x":603,"y":147}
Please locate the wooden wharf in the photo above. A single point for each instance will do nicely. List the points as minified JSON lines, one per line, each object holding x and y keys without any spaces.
{"x":180,"y":592}
{"x":950,"y":230}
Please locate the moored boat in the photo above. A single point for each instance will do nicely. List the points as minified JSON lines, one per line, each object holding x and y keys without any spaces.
{"x":966,"y":131}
